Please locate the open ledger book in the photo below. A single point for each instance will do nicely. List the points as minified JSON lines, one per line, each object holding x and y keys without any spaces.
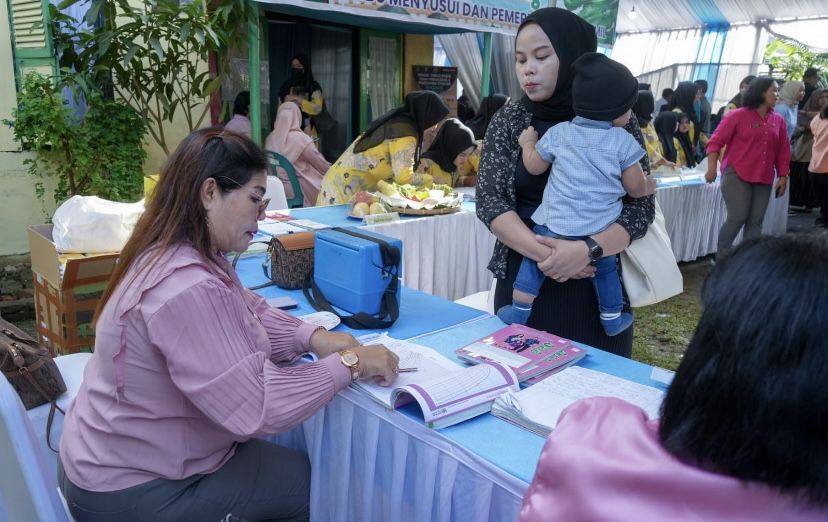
{"x":538,"y":407}
{"x":446,"y":392}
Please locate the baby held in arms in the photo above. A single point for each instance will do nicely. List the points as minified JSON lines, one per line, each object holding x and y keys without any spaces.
{"x":595,"y":162}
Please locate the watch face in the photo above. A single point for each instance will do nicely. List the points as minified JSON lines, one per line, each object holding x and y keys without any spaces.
{"x":350,"y":358}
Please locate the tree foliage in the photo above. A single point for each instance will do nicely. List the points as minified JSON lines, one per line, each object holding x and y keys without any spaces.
{"x":792,"y":58}
{"x":158,"y":55}
{"x":101,"y":154}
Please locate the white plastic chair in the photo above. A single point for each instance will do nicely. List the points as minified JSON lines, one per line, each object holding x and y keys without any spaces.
{"x":481,"y":300}
{"x":27,"y":484}
{"x":276,"y":193}
{"x":28,"y":468}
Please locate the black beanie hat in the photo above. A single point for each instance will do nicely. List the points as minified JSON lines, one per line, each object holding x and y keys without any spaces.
{"x":602,"y":88}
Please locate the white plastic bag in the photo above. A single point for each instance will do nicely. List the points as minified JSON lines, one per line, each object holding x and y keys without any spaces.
{"x":89,"y":224}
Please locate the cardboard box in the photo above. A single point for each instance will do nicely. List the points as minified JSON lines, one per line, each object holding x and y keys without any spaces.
{"x":66,"y":297}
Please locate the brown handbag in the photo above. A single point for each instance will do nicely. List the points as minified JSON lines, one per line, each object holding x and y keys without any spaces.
{"x":30,"y":370}
{"x":291,"y":259}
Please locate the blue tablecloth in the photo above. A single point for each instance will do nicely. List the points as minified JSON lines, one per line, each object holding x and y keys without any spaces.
{"x":419,"y":312}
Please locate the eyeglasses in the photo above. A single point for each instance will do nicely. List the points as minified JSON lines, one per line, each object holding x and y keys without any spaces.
{"x":262,"y":202}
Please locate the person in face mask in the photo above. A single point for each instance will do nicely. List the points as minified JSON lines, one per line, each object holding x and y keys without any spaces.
{"x":301,"y":88}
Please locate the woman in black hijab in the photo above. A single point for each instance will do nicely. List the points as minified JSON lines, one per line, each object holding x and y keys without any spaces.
{"x":666,"y":126}
{"x":447,"y":159}
{"x":643,"y":111}
{"x":548,"y":41}
{"x":488,"y":107}
{"x":387,"y":150}
{"x":304,"y":90}
{"x":683,"y":100}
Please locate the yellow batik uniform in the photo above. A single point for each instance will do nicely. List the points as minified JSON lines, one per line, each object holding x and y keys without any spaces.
{"x":391,"y":160}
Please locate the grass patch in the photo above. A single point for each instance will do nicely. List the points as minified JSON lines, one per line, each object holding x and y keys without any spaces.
{"x":663,"y":330}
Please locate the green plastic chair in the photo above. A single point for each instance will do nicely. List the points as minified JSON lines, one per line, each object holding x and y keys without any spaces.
{"x":277,"y":161}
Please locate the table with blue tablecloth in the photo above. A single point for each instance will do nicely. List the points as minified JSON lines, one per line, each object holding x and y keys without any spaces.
{"x":442,"y":255}
{"x":372,"y":463}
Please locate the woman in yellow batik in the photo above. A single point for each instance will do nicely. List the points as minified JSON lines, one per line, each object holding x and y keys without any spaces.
{"x":447,"y":158}
{"x":304,"y":90}
{"x":643,"y":110}
{"x":387,"y":150}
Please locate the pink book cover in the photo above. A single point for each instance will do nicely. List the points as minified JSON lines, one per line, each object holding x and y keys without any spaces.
{"x":529,"y":352}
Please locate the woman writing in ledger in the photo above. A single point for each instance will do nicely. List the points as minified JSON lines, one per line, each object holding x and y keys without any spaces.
{"x":548,"y":41}
{"x":190,"y":368}
{"x":388,"y":150}
{"x":742,"y":429}
{"x":447,"y":158}
{"x":288,"y":140}
{"x":757,"y":149}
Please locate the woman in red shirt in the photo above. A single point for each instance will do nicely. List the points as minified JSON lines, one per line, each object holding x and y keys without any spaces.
{"x":757,"y":144}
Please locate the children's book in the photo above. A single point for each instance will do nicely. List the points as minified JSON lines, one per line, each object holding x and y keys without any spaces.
{"x":446,"y":392}
{"x":538,"y":407}
{"x":528,"y":352}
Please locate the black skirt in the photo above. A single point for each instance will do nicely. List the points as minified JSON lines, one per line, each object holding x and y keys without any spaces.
{"x":568,"y":309}
{"x":802,"y":194}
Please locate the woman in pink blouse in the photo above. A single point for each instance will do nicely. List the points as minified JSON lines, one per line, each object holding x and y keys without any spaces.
{"x":190,"y":367}
{"x":757,"y":147}
{"x":743,"y":426}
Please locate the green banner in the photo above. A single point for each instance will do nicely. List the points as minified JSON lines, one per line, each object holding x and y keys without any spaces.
{"x":603,"y":14}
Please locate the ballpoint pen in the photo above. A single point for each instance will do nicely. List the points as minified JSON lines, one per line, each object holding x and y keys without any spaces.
{"x":403,"y":370}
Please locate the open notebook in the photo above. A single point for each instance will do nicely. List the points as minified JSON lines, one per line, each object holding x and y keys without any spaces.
{"x":538,"y":407}
{"x":446,"y":392}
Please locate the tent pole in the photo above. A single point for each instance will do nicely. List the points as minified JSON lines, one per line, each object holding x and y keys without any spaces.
{"x":487,"y":65}
{"x":255,"y":71}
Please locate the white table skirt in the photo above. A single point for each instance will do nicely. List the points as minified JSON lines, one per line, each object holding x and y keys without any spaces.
{"x":372,"y":462}
{"x":444,"y":256}
{"x":694,"y":214}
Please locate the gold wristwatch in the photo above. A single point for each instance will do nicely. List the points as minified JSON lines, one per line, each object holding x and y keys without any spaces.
{"x":351,"y":361}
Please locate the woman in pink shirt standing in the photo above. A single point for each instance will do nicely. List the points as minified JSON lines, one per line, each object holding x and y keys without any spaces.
{"x":757,"y":146}
{"x":190,"y":367}
{"x":743,"y":425}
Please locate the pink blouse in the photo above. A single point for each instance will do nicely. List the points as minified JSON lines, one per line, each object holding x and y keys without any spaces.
{"x":187,"y":364}
{"x":604,"y":461}
{"x":755,"y":145}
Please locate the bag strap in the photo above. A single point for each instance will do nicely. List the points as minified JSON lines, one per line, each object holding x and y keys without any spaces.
{"x":24,"y":371}
{"x":389,"y":306}
{"x":264,"y":266}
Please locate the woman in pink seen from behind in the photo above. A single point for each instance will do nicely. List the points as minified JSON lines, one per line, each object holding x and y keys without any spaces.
{"x":288,"y":139}
{"x":743,"y":425}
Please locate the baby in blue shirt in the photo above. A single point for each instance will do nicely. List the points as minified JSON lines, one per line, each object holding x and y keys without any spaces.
{"x":595,"y":162}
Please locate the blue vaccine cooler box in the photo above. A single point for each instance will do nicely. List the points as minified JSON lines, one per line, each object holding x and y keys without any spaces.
{"x":351,"y":272}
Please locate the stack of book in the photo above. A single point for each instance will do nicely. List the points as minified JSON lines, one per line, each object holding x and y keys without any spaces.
{"x":531,"y":354}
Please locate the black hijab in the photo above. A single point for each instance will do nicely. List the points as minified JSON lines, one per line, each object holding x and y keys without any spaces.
{"x":684,"y":98}
{"x":304,"y":79}
{"x":686,"y":144}
{"x":421,"y":110}
{"x":665,"y":126}
{"x":488,"y":107}
{"x":644,"y":107}
{"x":452,"y":139}
{"x":571,"y":36}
